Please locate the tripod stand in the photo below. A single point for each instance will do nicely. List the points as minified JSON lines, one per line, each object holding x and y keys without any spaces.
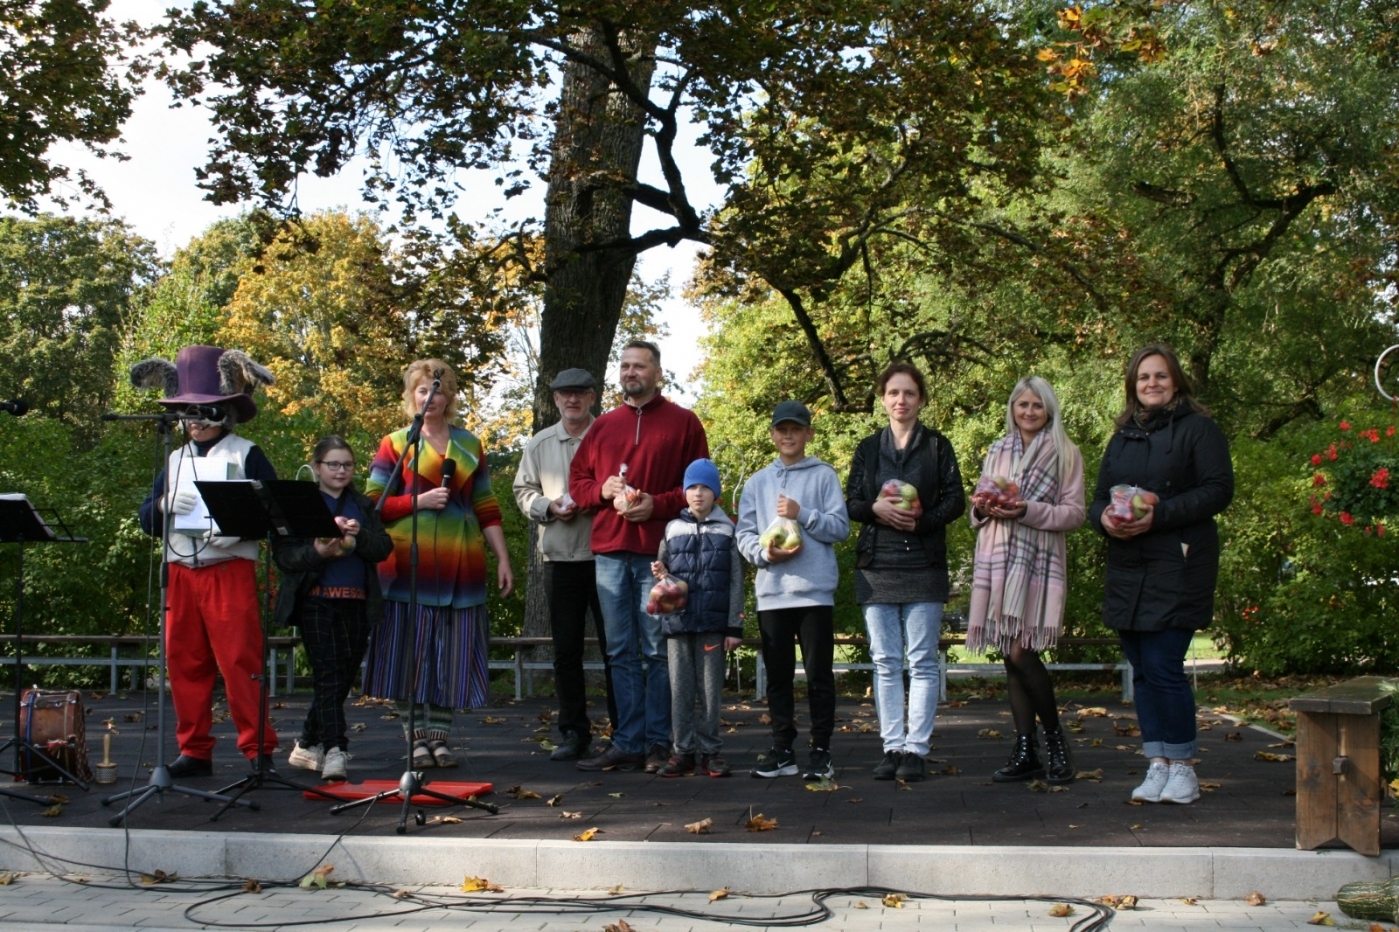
{"x":20,"y":522}
{"x":160,"y":781}
{"x":413,"y":782}
{"x":250,"y":510}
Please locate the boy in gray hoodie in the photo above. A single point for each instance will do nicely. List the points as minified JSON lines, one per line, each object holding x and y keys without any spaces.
{"x":795,"y":586}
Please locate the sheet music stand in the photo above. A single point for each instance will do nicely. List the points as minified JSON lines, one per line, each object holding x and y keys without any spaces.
{"x":255,"y":510}
{"x":21,"y":523}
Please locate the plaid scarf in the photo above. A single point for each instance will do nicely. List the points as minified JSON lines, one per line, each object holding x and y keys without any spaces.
{"x":1018,"y":572}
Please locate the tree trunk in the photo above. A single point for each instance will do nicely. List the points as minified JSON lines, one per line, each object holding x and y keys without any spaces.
{"x":598,"y":138}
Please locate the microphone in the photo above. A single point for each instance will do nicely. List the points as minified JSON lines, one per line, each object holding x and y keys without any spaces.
{"x":18,"y":407}
{"x":449,"y":469}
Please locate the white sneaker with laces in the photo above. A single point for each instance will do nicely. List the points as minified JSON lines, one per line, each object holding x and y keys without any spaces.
{"x":1155,"y":782}
{"x":1182,"y":786}
{"x":306,"y":758}
{"x":335,"y":761}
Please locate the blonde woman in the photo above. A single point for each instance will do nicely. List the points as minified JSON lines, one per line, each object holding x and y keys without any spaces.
{"x":1018,"y":581}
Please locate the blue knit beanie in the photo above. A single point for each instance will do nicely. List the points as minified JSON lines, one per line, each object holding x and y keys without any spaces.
{"x":703,"y":472}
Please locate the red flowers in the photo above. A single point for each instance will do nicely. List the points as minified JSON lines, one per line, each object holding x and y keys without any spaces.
{"x":1318,"y":480}
{"x":1316,"y":459}
{"x":1345,"y":425}
{"x":1331,"y":452}
{"x":1380,"y":478}
{"x":1346,"y":518}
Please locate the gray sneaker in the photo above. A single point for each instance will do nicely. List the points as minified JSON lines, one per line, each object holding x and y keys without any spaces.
{"x":334,"y":768}
{"x":1155,"y":782}
{"x":312,"y":758}
{"x":1182,"y":786}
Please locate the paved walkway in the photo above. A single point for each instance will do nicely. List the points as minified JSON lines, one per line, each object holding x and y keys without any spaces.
{"x":105,"y":903}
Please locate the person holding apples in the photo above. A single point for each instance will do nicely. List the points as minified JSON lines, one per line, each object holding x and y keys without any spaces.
{"x":1163,"y":557}
{"x":1018,"y":578}
{"x":901,"y":577}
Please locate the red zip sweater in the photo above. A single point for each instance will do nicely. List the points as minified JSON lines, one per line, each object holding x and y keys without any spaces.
{"x":656,"y":441}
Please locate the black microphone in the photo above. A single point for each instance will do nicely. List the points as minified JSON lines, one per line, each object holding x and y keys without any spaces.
{"x":449,"y":469}
{"x":18,"y":407}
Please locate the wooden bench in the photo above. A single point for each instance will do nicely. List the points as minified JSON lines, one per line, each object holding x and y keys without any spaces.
{"x":1339,"y":787}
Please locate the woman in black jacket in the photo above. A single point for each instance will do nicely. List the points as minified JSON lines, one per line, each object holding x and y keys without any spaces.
{"x":1163,"y":557}
{"x":330,"y":590}
{"x":901,"y":579}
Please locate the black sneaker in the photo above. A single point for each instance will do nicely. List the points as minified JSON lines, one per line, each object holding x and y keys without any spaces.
{"x":911,"y":769}
{"x":819,"y":765}
{"x":780,"y":762}
{"x":679,"y":765}
{"x":887,"y":768}
{"x":613,"y":758}
{"x":656,"y":758}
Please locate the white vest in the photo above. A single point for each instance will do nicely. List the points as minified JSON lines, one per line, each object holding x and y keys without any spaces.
{"x":195,"y":552}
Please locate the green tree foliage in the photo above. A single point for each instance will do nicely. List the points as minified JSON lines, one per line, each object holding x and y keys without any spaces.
{"x":68,"y":73}
{"x":66,"y":288}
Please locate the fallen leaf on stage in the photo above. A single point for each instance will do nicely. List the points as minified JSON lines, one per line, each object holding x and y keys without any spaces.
{"x":895,"y":900}
{"x":718,"y":894}
{"x":760,"y":824}
{"x":570,"y":815}
{"x":1256,"y":899}
{"x":587,"y":835}
{"x":1061,"y":909}
{"x":699,"y":828}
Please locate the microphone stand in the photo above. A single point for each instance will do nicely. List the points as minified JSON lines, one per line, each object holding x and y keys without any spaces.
{"x":413,"y":782}
{"x":160,"y":781}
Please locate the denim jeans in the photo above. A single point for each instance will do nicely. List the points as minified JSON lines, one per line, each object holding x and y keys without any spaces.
{"x":1165,"y":702}
{"x":894,"y":630}
{"x":634,"y":637}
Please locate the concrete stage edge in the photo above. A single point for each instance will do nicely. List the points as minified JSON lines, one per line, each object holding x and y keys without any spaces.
{"x":1214,"y":873}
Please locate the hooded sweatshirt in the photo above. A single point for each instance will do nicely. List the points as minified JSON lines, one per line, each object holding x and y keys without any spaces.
{"x":810,"y":577}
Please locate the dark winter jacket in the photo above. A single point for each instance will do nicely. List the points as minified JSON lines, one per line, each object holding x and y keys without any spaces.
{"x":301,"y":566}
{"x":705,"y":555}
{"x":934,"y":474}
{"x":1165,"y":578}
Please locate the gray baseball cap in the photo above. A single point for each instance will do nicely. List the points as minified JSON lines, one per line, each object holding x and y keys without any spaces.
{"x":573,"y":379}
{"x":791,"y":411}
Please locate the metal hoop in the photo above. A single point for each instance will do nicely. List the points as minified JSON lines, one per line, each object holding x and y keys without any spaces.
{"x":1379,"y":362}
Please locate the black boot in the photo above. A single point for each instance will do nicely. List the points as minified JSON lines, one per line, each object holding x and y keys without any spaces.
{"x":1024,"y":763}
{"x":1061,"y":765}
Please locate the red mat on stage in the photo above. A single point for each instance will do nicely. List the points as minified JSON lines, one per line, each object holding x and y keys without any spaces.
{"x":352,"y":791}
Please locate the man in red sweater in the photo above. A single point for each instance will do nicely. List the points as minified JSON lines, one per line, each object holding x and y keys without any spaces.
{"x":630,"y":467}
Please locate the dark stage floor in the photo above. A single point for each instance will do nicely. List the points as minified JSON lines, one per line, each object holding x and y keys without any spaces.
{"x":1248,"y":802}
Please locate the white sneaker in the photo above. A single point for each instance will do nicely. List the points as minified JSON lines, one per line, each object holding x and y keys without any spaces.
{"x":1183,"y":786}
{"x":335,"y":761}
{"x":306,"y":758}
{"x":1156,"y":777}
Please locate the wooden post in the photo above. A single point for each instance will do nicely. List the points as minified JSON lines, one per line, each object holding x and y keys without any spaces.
{"x":1339,"y":787}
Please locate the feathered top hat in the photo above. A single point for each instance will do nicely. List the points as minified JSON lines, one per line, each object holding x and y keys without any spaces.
{"x":205,"y":375}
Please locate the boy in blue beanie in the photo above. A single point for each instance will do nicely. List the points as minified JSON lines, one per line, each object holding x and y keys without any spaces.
{"x":700,"y":550}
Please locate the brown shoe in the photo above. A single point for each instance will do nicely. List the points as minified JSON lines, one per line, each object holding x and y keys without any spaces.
{"x":656,"y":758}
{"x":611,"y":759}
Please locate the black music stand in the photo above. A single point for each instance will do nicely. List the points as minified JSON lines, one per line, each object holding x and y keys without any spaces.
{"x":254,"y":510}
{"x":20,"y":523}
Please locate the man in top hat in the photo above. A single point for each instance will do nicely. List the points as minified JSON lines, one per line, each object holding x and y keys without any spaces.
{"x":566,"y":559}
{"x":212,"y":621}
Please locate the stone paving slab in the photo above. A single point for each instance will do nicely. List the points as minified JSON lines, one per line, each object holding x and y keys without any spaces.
{"x":107,"y":902}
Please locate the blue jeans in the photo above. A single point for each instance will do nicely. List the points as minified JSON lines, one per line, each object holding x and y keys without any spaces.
{"x":1165,"y":702}
{"x":643,"y":695}
{"x":894,"y":630}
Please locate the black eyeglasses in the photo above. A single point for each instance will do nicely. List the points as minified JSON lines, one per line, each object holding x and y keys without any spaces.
{"x":337,"y":467}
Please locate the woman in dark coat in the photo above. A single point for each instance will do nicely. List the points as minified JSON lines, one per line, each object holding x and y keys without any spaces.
{"x":330,"y":590}
{"x":901,"y":577}
{"x":1163,"y":562}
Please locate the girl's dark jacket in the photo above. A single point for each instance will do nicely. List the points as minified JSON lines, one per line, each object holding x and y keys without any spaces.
{"x":1165,"y":578}
{"x":933,"y":472}
{"x":301,"y":566}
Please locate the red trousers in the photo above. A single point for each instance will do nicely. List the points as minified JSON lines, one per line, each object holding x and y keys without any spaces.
{"x":212,"y":627}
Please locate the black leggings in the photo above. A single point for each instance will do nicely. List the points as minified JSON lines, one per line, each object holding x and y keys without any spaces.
{"x":1031,"y":692}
